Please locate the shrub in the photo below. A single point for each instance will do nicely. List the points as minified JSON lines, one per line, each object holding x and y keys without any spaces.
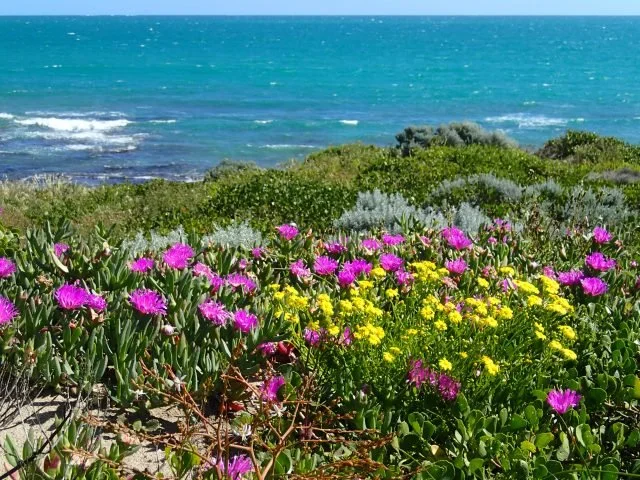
{"x":589,"y":147}
{"x":234,"y":236}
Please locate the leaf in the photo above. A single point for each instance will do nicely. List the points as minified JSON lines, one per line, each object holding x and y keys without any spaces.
{"x":598,"y":395}
{"x":476,"y":465}
{"x":543,"y":439}
{"x":517,"y":422}
{"x":527,"y":445}
{"x":564,"y":450}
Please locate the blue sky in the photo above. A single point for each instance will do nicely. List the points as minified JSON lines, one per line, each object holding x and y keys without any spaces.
{"x":324,"y":7}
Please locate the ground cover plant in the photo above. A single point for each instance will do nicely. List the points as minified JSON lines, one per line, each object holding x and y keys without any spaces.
{"x":509,"y":350}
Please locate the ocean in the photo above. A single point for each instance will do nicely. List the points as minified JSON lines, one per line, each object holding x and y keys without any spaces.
{"x":108,"y":99}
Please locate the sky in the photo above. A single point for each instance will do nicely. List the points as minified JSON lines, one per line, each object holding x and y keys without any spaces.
{"x":319,"y":7}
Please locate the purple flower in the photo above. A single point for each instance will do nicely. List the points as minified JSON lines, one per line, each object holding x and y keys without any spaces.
{"x":457,"y":266}
{"x":492,"y":240}
{"x":7,"y":267}
{"x":237,"y":280}
{"x":358,"y":266}
{"x":60,"y":249}
{"x":311,"y":337}
{"x":267,"y":348}
{"x":70,"y":297}
{"x":299,"y":269}
{"x":214,"y":312}
{"x":570,"y":278}
{"x":270,"y":388}
{"x":562,"y":400}
{"x":390,"y":263}
{"x":325,"y":266}
{"x":507,"y":284}
{"x":178,"y":256}
{"x":347,"y":338}
{"x":288,"y":232}
{"x":96,"y":302}
{"x":244,"y":321}
{"x":371,"y":244}
{"x":148,"y":302}
{"x":456,"y":238}
{"x":202,"y":270}
{"x":599,"y":262}
{"x":392,"y":240}
{"x":8,"y":311}
{"x":236,"y":468}
{"x":600,"y":235}
{"x":404,"y":278}
{"x":335,"y":248}
{"x":549,"y":272}
{"x":346,"y":277}
{"x":417,"y":373}
{"x":593,"y":286}
{"x":142,"y":265}
{"x":448,"y":387}
{"x":258,"y":253}
{"x":638,"y":284}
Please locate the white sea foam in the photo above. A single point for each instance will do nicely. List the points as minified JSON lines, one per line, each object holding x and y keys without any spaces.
{"x":163,"y":121}
{"x":285,"y":146}
{"x":524,"y":120}
{"x":350,"y":122}
{"x":263,"y":122}
{"x":6,"y":116}
{"x":74,"y":124}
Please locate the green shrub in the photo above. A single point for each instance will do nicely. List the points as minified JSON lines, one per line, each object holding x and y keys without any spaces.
{"x":589,"y":147}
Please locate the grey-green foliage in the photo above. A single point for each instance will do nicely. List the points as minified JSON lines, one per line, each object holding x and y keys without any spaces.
{"x":141,"y":244}
{"x":469,"y":218}
{"x":451,"y":135}
{"x":478,"y":188}
{"x":590,"y":207}
{"x":548,"y":190}
{"x":623,"y":176}
{"x":235,"y":235}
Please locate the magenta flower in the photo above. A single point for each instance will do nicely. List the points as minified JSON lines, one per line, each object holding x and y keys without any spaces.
{"x":312,"y":337}
{"x":390,"y":263}
{"x":404,"y":278}
{"x":448,"y":387}
{"x":148,"y":302}
{"x":346,"y":278}
{"x":358,"y":266}
{"x":325,"y":266}
{"x":335,"y":248}
{"x":267,"y":348}
{"x":96,"y":302}
{"x":638,"y":283}
{"x":70,"y":297}
{"x":562,"y":400}
{"x":178,"y":256}
{"x":288,"y":232}
{"x":244,"y":321}
{"x":417,"y":373}
{"x":237,"y":467}
{"x":258,"y":253}
{"x":492,"y":240}
{"x":202,"y":270}
{"x":237,"y":280}
{"x":142,"y":265}
{"x":594,"y":286}
{"x":214,"y":312}
{"x":549,"y":272}
{"x":570,"y":278}
{"x":456,"y":267}
{"x":60,"y":249}
{"x":299,"y":269}
{"x":600,"y":235}
{"x":371,"y":244}
{"x":8,"y":311}
{"x":597,"y":261}
{"x":456,"y":238}
{"x":392,"y":240}
{"x":271,"y":387}
{"x":347,"y":337}
{"x":7,"y":267}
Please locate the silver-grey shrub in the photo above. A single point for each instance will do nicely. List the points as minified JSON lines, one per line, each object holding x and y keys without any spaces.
{"x":234,"y":235}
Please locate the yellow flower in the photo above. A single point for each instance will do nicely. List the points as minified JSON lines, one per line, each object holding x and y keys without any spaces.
{"x":490,"y":322}
{"x":464,"y":354}
{"x":507,"y":271}
{"x":388,"y":357}
{"x":391,"y":292}
{"x":454,"y":317}
{"x":568,"y":354}
{"x":568,"y":332}
{"x":489,"y":365}
{"x":365,"y":285}
{"x":538,"y":326}
{"x":395,"y":350}
{"x":534,"y":301}
{"x":333,"y":330}
{"x":526,"y":287}
{"x":540,"y":335}
{"x":346,"y":306}
{"x":412,"y":331}
{"x":483,"y":283}
{"x":278,"y":295}
{"x":493,"y":301}
{"x":274,"y":286}
{"x":445,"y":364}
{"x":427,"y":313}
{"x":440,"y":325}
{"x":358,"y":304}
{"x":505,"y":313}
{"x":549,"y":285}
{"x":313,"y":325}
{"x":555,"y":345}
{"x":378,"y":272}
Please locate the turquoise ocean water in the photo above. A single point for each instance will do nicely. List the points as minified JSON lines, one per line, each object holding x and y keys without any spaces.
{"x":130,"y":98}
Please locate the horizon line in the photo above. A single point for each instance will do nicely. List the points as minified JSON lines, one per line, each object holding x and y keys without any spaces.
{"x":318,"y":15}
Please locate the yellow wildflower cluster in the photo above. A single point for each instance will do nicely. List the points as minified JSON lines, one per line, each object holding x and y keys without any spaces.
{"x":325,"y":305}
{"x":391,"y":354}
{"x":559,"y":305}
{"x":567,"y":353}
{"x":549,"y":285}
{"x":425,"y":271}
{"x":490,"y":366}
{"x":568,"y":332}
{"x":526,"y":287}
{"x":539,"y":331}
{"x":369,"y":332}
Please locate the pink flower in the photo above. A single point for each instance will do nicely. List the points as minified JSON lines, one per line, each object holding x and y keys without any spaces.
{"x":202,"y":270}
{"x":325,"y":266}
{"x":599,"y":262}
{"x":392,"y":240}
{"x":593,"y":286}
{"x":271,"y":387}
{"x":457,"y":266}
{"x":347,"y":338}
{"x":142,"y":265}
{"x":312,"y":337}
{"x":390,"y":263}
{"x":358,"y":266}
{"x":404,"y":278}
{"x":492,"y":240}
{"x":60,"y":249}
{"x":244,"y":321}
{"x":335,"y":248}
{"x":456,"y":238}
{"x":267,"y":348}
{"x":417,"y":373}
{"x":70,"y":297}
{"x":448,"y":387}
{"x":299,"y":269}
{"x":214,"y":312}
{"x":570,"y":278}
{"x":148,"y":302}
{"x":7,"y":267}
{"x":288,"y":232}
{"x":562,"y":400}
{"x":549,"y":272}
{"x":638,"y":284}
{"x":371,"y":244}
{"x":96,"y":302}
{"x":346,"y":278}
{"x":237,"y":280}
{"x":258,"y":253}
{"x":236,"y":468}
{"x":178,"y":256}
{"x":8,"y":311}
{"x":600,"y":235}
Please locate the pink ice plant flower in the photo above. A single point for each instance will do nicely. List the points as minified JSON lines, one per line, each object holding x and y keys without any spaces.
{"x":299,"y":269}
{"x":562,"y":400}
{"x":214,"y":312}
{"x":312,"y":337}
{"x":178,"y":256}
{"x":594,"y":286}
{"x":390,"y":263}
{"x":601,"y":235}
{"x":142,"y":265}
{"x":236,"y":468}
{"x":8,"y":311}
{"x":570,"y":278}
{"x":288,"y":231}
{"x":456,"y":267}
{"x":148,"y":302}
{"x":325,"y":266}
{"x":71,"y":297}
{"x":244,"y":321}
{"x":392,"y":240}
{"x":271,"y":387}
{"x":370,"y":244}
{"x":597,"y":261}
{"x":237,"y":280}
{"x":267,"y":348}
{"x":456,"y":238}
{"x":346,"y":278}
{"x":258,"y":253}
{"x":404,"y":278}
{"x":358,"y":266}
{"x":335,"y":248}
{"x":60,"y":249}
{"x":96,"y":302}
{"x":7,"y":267}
